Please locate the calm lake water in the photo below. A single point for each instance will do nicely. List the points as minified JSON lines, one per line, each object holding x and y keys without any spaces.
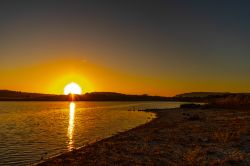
{"x":32,"y":130}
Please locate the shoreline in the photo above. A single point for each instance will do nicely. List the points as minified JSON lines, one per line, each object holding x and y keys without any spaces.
{"x":104,"y":139}
{"x":174,"y":137}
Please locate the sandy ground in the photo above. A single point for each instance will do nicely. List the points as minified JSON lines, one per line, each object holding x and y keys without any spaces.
{"x":175,"y":137}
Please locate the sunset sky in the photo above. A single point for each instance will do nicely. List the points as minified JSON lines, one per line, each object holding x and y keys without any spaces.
{"x":130,"y":46}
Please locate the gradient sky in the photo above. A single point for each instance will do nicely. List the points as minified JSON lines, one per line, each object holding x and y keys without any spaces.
{"x":130,"y":46}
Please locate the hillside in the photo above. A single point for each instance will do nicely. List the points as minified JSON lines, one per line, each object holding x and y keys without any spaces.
{"x":233,"y":101}
{"x":202,"y":94}
{"x":6,"y":95}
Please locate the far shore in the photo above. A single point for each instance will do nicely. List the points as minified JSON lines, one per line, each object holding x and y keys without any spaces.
{"x":176,"y":137}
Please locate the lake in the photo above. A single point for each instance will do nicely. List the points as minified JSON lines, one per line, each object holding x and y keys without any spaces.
{"x":30,"y":131}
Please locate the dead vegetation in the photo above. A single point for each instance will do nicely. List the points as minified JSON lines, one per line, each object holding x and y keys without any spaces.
{"x":226,"y":136}
{"x":233,"y":101}
{"x":195,"y":156}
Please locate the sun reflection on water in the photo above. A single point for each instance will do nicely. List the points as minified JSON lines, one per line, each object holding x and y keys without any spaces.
{"x":71,"y":125}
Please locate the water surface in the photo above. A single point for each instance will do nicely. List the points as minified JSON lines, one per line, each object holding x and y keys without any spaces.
{"x":31,"y":131}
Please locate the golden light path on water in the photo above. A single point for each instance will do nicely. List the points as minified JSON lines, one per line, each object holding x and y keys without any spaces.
{"x":71,"y":125}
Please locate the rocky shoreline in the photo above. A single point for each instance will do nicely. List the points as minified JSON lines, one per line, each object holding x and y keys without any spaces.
{"x":176,"y":137}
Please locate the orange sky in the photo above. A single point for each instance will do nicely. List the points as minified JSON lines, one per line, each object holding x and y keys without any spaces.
{"x":52,"y":78}
{"x":161,"y":48}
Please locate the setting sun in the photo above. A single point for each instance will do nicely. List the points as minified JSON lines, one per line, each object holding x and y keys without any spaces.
{"x":72,"y":88}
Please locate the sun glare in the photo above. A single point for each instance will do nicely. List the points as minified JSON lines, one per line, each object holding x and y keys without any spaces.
{"x":72,"y":88}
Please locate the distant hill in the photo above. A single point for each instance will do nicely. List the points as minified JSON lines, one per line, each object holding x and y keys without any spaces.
{"x":218,"y":100}
{"x":203,"y":94}
{"x":214,"y":98}
{"x":203,"y":97}
{"x":110,"y":96}
{"x":6,"y":95}
{"x":233,"y":101}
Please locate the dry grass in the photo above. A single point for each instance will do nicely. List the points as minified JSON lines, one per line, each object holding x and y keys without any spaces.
{"x":195,"y":156}
{"x":226,"y":136}
{"x":234,"y":101}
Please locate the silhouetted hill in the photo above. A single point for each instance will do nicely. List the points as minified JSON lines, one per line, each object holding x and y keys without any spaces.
{"x":215,"y":99}
{"x":110,"y":96}
{"x":218,"y":100}
{"x":6,"y":95}
{"x":202,"y":94}
{"x":204,"y":97}
{"x":233,"y":101}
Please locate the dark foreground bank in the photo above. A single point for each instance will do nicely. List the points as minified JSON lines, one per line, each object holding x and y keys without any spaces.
{"x":177,"y":137}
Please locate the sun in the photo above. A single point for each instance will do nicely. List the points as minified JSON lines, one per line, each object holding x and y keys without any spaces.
{"x":72,"y":88}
